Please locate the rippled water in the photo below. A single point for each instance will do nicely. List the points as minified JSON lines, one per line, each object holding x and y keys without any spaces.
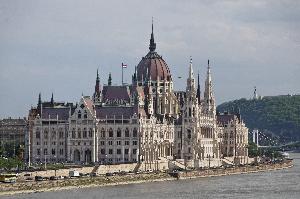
{"x":274,"y":184}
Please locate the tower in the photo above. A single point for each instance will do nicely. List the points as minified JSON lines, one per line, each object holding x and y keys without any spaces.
{"x":209,"y":99}
{"x":97,"y":92}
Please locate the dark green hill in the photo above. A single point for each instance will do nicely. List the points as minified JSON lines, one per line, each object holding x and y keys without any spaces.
{"x":279,"y":115}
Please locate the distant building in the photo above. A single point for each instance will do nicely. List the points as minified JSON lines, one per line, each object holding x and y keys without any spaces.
{"x":146,"y":122}
{"x":13,"y":131}
{"x":234,"y":136}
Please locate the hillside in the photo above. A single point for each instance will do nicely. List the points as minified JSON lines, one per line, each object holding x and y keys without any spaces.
{"x":278,"y":115}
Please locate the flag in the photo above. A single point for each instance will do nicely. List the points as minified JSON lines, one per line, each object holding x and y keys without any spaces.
{"x":124,"y":65}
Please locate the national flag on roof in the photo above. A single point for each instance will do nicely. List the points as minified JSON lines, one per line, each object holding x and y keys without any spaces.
{"x":124,"y":65}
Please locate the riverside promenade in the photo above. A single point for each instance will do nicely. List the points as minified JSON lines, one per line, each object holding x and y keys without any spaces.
{"x":85,"y":182}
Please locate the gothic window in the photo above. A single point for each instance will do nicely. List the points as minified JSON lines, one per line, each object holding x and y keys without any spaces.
{"x":53,"y":151}
{"x":73,"y":133}
{"x":45,"y":152}
{"x":79,"y":115}
{"x":61,"y":134}
{"x":119,"y":132}
{"x":84,"y":133}
{"x":45,"y":134}
{"x":134,"y":132}
{"x":102,"y":151}
{"x":79,"y":133}
{"x":231,"y":134}
{"x":126,"y":132}
{"x":110,"y":151}
{"x":134,"y":142}
{"x":111,"y":132}
{"x":134,"y":151}
{"x":190,"y":112}
{"x":193,"y":111}
{"x":102,"y":133}
{"x":90,"y":132}
{"x":53,"y":134}
{"x":38,"y":152}
{"x":189,"y":134}
{"x":38,"y":134}
{"x":85,"y":115}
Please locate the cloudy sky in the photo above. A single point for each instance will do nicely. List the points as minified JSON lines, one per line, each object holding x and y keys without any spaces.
{"x":57,"y":46}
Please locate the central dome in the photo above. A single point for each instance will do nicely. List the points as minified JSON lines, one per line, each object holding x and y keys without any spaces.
{"x":152,"y":66}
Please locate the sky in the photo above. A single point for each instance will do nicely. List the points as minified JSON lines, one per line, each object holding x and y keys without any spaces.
{"x":57,"y":46}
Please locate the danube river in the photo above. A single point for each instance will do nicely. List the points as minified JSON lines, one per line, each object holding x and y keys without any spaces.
{"x":271,"y":184}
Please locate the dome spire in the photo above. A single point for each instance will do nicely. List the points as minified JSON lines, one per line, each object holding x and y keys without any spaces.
{"x":152,"y":45}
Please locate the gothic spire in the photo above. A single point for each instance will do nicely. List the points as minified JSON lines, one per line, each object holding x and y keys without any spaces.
{"x":52,"y":99}
{"x":109,"y":79}
{"x":152,"y":45}
{"x":40,"y":99}
{"x":191,"y":73}
{"x":198,"y":89}
{"x":97,"y":75}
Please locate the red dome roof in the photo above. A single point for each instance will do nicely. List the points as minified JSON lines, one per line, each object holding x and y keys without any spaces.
{"x":152,"y":67}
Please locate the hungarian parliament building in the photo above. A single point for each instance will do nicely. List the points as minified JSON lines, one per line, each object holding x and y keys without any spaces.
{"x":144,"y":122}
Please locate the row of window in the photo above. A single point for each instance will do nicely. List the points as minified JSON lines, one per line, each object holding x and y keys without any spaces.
{"x":53,"y":151}
{"x":118,"y":151}
{"x":119,"y":133}
{"x":118,"y":142}
{"x":85,"y":134}
{"x":53,"y":134}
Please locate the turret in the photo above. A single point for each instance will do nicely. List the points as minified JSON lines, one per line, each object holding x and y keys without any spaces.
{"x":209,"y":99}
{"x":109,"y":80}
{"x":52,"y":100}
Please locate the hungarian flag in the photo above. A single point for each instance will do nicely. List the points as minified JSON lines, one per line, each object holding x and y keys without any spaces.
{"x":124,"y":65}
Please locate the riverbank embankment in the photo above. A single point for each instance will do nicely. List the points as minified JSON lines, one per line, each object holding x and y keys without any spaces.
{"x":85,"y":182}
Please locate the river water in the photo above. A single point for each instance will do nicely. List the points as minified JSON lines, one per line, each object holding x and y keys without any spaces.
{"x":272,"y":184}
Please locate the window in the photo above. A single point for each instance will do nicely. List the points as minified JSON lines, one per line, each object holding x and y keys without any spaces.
{"x":102,"y":143}
{"x":38,"y":152}
{"x":102,"y":133}
{"x":79,"y":133}
{"x":37,"y":143}
{"x":118,"y":151}
{"x":134,"y":132}
{"x":111,"y":132}
{"x":45,"y":152}
{"x":61,"y":151}
{"x":126,"y":132}
{"x":189,"y":134}
{"x":110,"y":151}
{"x":90,"y":132}
{"x":84,"y":133}
{"x":126,"y":142}
{"x":53,"y":151}
{"x":134,"y":142}
{"x":79,"y":114}
{"x":110,"y":142}
{"x":53,"y":134}
{"x":118,"y":142}
{"x":134,"y":151}
{"x":85,"y":115}
{"x":126,"y":151}
{"x":119,"y":132}
{"x":61,"y":134}
{"x":45,"y":134}
{"x":73,"y":133}
{"x":102,"y":151}
{"x":38,"y":134}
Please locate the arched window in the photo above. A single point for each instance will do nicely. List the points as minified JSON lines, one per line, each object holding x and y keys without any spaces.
{"x":111,"y":132}
{"x":38,"y":133}
{"x":119,"y":132}
{"x":90,"y":132}
{"x":84,"y":133}
{"x":126,"y":132}
{"x":45,"y":134}
{"x":79,"y":114}
{"x":53,"y":134}
{"x":134,"y":132}
{"x":103,"y":133}
{"x":85,"y":115}
{"x":189,"y":134}
{"x":190,"y":112}
{"x":231,"y":134}
{"x":73,"y":133}
{"x":79,"y":133}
